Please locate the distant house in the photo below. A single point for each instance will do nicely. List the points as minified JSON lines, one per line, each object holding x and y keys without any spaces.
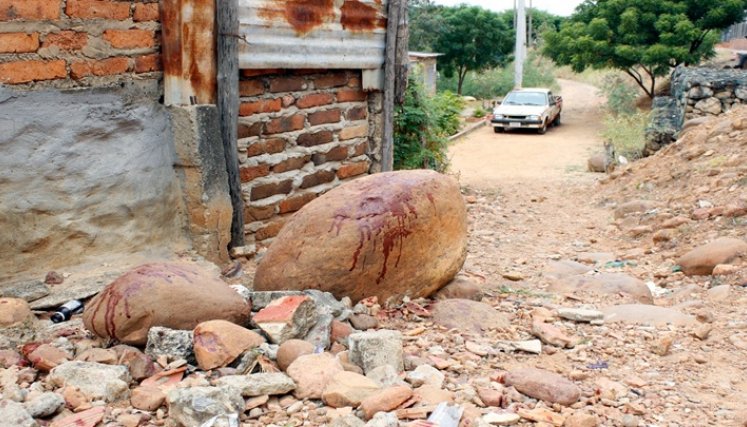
{"x":425,"y":65}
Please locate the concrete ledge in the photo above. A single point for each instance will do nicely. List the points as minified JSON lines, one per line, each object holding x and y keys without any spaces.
{"x":471,"y":128}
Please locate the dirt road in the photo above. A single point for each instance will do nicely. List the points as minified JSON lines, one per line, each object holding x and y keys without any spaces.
{"x":485,"y":159}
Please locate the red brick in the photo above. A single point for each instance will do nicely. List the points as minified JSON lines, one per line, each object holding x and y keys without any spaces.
{"x":266,"y":146}
{"x":11,"y":10}
{"x":352,"y":169}
{"x":264,"y":191}
{"x":28,"y":71}
{"x":285,"y":124}
{"x":104,"y":67}
{"x":317,"y":178}
{"x":334,"y":155}
{"x":19,"y":42}
{"x":315,"y":100}
{"x":247,"y":130}
{"x":331,"y":80}
{"x":260,"y":213}
{"x":130,"y":39}
{"x":328,"y":116}
{"x":290,"y":164}
{"x":251,"y":87}
{"x":261,"y":106}
{"x":293,"y":204}
{"x":89,"y":9}
{"x":66,"y":40}
{"x":360,"y":149}
{"x":146,"y":12}
{"x":265,"y":72}
{"x":357,"y":113}
{"x":351,"y":95}
{"x":270,"y":230}
{"x":148,"y":63}
{"x":250,"y":173}
{"x":316,"y":138}
{"x":288,"y":84}
{"x":355,"y":82}
{"x":350,"y":132}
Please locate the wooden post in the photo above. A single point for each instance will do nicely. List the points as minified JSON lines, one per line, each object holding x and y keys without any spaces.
{"x":390,"y":72}
{"x":227,"y":17}
{"x":402,"y":58}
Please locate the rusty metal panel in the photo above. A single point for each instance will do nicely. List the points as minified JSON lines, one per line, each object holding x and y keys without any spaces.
{"x":312,"y":34}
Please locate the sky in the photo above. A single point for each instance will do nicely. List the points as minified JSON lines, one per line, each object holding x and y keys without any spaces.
{"x":558,"y":7}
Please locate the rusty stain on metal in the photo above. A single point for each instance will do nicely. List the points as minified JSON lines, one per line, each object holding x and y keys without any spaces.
{"x":305,"y":15}
{"x":360,"y":17}
{"x":189,"y":50}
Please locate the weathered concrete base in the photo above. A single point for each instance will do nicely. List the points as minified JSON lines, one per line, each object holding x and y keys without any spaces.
{"x":84,"y":173}
{"x":202,"y":168}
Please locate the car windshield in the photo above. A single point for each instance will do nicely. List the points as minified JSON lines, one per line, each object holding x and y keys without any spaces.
{"x":525,"y":98}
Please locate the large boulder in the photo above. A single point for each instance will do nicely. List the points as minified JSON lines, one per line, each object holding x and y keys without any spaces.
{"x":702,"y":260}
{"x":386,"y":235}
{"x":604,"y":284}
{"x":176,"y":296}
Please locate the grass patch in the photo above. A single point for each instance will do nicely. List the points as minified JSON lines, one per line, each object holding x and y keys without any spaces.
{"x":626,"y":134}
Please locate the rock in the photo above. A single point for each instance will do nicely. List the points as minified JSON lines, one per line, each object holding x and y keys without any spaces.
{"x":702,"y":260}
{"x":646,"y":314}
{"x":634,"y":207}
{"x":468,"y":316}
{"x":604,"y":284}
{"x":10,"y":358}
{"x":581,"y":315}
{"x":347,"y":421}
{"x":560,"y":269}
{"x":530,"y":346}
{"x":44,"y":405}
{"x":377,"y":230}
{"x":610,"y":390}
{"x":14,"y":414}
{"x":432,"y":395}
{"x":709,"y":105}
{"x":312,"y":373}
{"x":513,"y":276}
{"x":27,"y":290}
{"x":383,"y":419}
{"x":629,"y":421}
{"x":147,"y":398}
{"x":425,"y":375}
{"x":175,"y":344}
{"x":46,"y":356}
{"x":552,"y":335}
{"x":193,"y":406}
{"x":14,"y":311}
{"x":88,"y":418}
{"x":460,"y":288}
{"x":372,"y":349}
{"x":98,"y":355}
{"x":726,"y":270}
{"x":385,"y":376}
{"x":598,"y":163}
{"x":290,"y":317}
{"x":271,"y":383}
{"x":328,"y":309}
{"x":97,"y":381}
{"x":385,"y":400}
{"x":348,"y":389}
{"x":543,"y":385}
{"x":144,"y":297}
{"x":490,"y":396}
{"x":218,"y":343}
{"x":501,"y":418}
{"x":719,"y":293}
{"x":581,"y":419}
{"x":74,"y":398}
{"x":340,"y":331}
{"x":261,"y":300}
{"x":141,"y":365}
{"x":291,"y":350}
{"x":700,"y":92}
{"x":364,"y":322}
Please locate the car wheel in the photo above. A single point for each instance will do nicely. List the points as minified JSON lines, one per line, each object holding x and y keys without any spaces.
{"x":498,"y":130}
{"x":556,"y":122}
{"x":543,"y":129}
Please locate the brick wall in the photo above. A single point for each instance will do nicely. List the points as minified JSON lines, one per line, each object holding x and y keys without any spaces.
{"x":300,"y":134}
{"x":71,"y":43}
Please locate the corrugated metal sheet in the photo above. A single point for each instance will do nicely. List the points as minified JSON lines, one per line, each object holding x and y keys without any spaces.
{"x":312,"y":34}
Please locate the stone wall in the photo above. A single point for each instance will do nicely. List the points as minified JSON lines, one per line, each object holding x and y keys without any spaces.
{"x":302,"y":133}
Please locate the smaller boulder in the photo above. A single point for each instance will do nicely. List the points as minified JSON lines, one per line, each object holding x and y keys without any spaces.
{"x":291,"y":350}
{"x":46,"y":357}
{"x":14,"y":414}
{"x":14,"y":311}
{"x":193,"y":406}
{"x":287,"y":318}
{"x":468,"y":316}
{"x":460,"y":288}
{"x":218,"y":343}
{"x":385,"y":400}
{"x":147,"y":398}
{"x":372,"y":349}
{"x":348,"y":389}
{"x":173,"y":343}
{"x":312,"y":373}
{"x":598,"y":163}
{"x":544,"y":385}
{"x":702,"y":260}
{"x":44,"y":405}
{"x":271,"y":383}
{"x":97,"y":381}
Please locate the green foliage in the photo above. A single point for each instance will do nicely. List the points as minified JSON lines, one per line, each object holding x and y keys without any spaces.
{"x":626,"y":133}
{"x":479,"y":113}
{"x":621,"y":97}
{"x":644,"y":38}
{"x":426,"y":21}
{"x":421,"y":128}
{"x":541,"y":21}
{"x":497,"y":82}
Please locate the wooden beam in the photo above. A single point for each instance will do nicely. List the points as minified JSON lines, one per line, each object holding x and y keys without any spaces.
{"x":227,"y":18}
{"x":402,"y":57}
{"x":390,"y":72}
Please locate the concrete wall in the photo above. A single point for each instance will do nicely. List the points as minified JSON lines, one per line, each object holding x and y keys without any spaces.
{"x":302,"y":133}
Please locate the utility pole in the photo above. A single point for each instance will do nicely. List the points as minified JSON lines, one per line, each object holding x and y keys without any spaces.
{"x":520,"y":49}
{"x":529,"y":32}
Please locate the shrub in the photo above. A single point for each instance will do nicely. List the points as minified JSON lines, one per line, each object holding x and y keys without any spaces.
{"x":421,"y":128}
{"x":621,"y":96}
{"x":626,"y":134}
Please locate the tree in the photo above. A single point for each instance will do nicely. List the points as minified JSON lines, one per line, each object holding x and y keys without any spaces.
{"x":643,"y":38}
{"x":426,"y":22}
{"x":541,"y":21}
{"x":472,"y":39}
